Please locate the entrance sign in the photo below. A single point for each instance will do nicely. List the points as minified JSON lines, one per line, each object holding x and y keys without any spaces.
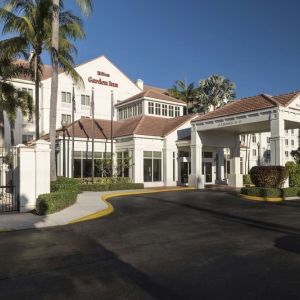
{"x":103,"y":82}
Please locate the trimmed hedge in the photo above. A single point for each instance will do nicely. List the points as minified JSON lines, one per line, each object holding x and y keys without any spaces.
{"x":247,"y":179}
{"x":96,"y":187}
{"x":269,"y":176}
{"x":261,"y":192}
{"x":63,"y":193}
{"x":271,"y":192}
{"x":294,"y":174}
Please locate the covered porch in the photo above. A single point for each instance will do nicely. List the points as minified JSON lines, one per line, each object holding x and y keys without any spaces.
{"x":221,"y":129}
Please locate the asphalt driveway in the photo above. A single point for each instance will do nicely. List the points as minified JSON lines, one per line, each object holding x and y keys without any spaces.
{"x":174,"y":245}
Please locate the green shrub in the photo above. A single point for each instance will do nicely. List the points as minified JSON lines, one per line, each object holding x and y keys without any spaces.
{"x":294,"y":174}
{"x":56,"y":201}
{"x":62,"y":184}
{"x":271,"y":192}
{"x":63,"y":193}
{"x":246,"y":179}
{"x":268,"y":176}
{"x":96,"y":187}
{"x":261,"y":192}
{"x":104,"y":180}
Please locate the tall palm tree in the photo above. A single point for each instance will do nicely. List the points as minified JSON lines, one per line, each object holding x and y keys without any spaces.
{"x":216,"y":91}
{"x":31,"y":22}
{"x":86,"y":7}
{"x":184,"y":91}
{"x":12,"y":99}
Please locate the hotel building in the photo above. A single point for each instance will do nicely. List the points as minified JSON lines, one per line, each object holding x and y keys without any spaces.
{"x":165,"y":146}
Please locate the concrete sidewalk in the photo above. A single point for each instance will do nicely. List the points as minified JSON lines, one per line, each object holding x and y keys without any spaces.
{"x":89,"y":205}
{"x":86,"y":204}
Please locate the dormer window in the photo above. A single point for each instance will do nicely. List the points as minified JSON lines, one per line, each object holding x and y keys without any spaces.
{"x":151,"y":108}
{"x":157,"y":109}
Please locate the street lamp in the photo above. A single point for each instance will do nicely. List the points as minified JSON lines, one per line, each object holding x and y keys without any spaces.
{"x":64,"y":126}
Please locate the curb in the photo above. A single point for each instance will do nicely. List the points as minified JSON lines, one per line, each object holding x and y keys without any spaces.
{"x":262,"y":199}
{"x":110,"y":208}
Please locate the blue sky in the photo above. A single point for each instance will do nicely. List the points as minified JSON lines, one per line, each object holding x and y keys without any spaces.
{"x":254,"y":43}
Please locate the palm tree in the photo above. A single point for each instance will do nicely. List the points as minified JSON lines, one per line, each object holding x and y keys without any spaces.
{"x":31,"y":22}
{"x":216,"y":91}
{"x":86,"y":7}
{"x":12,"y":99}
{"x":184,"y":91}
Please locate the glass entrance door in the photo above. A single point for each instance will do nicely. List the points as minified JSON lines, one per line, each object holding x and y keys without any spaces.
{"x":184,"y":172}
{"x":208,"y":172}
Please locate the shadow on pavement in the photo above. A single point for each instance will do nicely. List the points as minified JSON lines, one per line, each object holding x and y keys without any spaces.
{"x":234,"y":218}
{"x":70,"y":270}
{"x":289,"y":243}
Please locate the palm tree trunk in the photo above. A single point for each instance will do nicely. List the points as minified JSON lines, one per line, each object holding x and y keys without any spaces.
{"x":54,"y":87}
{"x":37,"y":99}
{"x":12,"y":134}
{"x":2,"y":141}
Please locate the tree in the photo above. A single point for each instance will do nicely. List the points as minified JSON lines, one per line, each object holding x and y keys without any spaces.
{"x":215,"y":91}
{"x":296,"y":155}
{"x":184,"y":91}
{"x":86,"y":7}
{"x":31,"y":21}
{"x":12,"y":99}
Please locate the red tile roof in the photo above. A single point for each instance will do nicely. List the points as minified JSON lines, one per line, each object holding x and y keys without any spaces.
{"x":142,"y":125}
{"x":249,"y":104}
{"x":151,"y":93}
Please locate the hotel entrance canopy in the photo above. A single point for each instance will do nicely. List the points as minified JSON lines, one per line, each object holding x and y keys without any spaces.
{"x":262,"y":113}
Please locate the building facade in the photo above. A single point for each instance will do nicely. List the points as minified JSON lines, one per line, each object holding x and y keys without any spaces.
{"x":154,"y":142}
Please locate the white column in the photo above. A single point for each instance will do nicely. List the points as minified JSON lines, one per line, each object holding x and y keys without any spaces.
{"x":42,"y":167}
{"x":138,"y":161}
{"x":34,"y":173}
{"x":235,"y":178}
{"x":220,"y":165}
{"x":196,"y":179}
{"x":277,"y":140}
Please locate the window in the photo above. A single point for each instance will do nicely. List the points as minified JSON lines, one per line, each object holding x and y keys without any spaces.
{"x":152,"y":166}
{"x":286,"y":142}
{"x":27,"y":138}
{"x":243,"y":139}
{"x":268,"y":155}
{"x":65,"y":97}
{"x":292,"y":131}
{"x":85,"y":100}
{"x":164,"y":109}
{"x":151,"y":108}
{"x":268,"y":140}
{"x":66,"y":118}
{"x":157,"y":109}
{"x":177,"y":111}
{"x":123,"y":164}
{"x":253,"y":138}
{"x":207,"y":154}
{"x":241,"y":165}
{"x":254,"y":152}
{"x":286,"y":153}
{"x":171,"y":111}
{"x":29,"y":91}
{"x":140,"y":108}
{"x":120,"y":114}
{"x":286,"y":131}
{"x":292,"y":142}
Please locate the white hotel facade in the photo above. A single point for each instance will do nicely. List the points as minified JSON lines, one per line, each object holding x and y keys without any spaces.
{"x":152,"y":129}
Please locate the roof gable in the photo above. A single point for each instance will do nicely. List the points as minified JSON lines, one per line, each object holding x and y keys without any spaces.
{"x":153,"y":94}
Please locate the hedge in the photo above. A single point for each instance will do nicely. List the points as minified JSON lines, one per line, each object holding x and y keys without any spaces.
{"x":294,"y":174}
{"x":63,"y":193}
{"x":269,"y":176}
{"x":271,"y":192}
{"x":96,"y":187}
{"x":247,"y":179}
